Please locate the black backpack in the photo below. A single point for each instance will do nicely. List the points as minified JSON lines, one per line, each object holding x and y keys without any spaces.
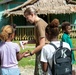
{"x":62,"y":62}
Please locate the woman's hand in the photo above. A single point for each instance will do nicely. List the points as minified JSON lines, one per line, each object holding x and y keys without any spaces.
{"x":27,"y":54}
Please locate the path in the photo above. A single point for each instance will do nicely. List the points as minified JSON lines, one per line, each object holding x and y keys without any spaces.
{"x":27,"y":70}
{"x":30,"y":70}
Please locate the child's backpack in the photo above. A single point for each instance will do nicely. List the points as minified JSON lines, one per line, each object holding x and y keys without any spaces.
{"x":61,"y":64}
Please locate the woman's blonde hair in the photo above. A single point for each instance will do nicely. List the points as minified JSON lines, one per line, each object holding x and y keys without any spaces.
{"x":31,"y":10}
{"x":6,"y":32}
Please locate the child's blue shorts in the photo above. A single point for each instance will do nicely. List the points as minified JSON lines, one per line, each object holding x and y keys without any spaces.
{"x":9,"y":71}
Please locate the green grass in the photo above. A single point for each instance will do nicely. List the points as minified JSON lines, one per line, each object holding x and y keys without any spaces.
{"x":1,"y":0}
{"x":74,"y":44}
{"x":28,"y":61}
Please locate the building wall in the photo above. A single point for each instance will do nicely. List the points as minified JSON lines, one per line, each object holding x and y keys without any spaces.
{"x":4,"y":20}
{"x":20,"y":20}
{"x":73,"y":18}
{"x":61,"y":17}
{"x":65,"y":17}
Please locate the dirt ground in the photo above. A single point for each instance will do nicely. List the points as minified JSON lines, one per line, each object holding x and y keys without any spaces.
{"x":27,"y":70}
{"x":30,"y":70}
{"x":74,"y":68}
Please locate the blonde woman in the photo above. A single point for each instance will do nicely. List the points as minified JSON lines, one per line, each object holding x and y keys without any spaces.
{"x":9,"y":52}
{"x":39,"y":25}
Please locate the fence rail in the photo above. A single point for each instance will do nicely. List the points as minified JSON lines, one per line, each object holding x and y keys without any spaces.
{"x":24,"y":33}
{"x":27,"y":32}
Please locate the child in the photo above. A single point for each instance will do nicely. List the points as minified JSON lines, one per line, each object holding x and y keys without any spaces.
{"x":9,"y":52}
{"x":66,"y":28}
{"x":52,"y":32}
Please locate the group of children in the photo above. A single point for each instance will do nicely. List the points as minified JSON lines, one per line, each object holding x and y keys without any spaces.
{"x":10,"y":52}
{"x":47,"y":52}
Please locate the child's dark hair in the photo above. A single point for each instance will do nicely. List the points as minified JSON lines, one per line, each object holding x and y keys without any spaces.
{"x":13,"y":25}
{"x":52,"y":29}
{"x":64,"y":25}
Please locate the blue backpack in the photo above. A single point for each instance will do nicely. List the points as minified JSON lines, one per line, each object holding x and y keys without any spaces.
{"x":61,"y":61}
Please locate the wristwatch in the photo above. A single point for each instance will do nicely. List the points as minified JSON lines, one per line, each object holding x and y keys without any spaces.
{"x":31,"y":54}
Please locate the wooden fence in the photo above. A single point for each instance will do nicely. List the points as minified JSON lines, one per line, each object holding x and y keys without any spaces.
{"x":24,"y":33}
{"x":27,"y":32}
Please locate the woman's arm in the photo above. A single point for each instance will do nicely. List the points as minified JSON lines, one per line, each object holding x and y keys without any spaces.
{"x":39,"y":47}
{"x":22,"y":43}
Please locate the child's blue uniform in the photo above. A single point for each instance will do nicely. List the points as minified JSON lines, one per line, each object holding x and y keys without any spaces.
{"x":66,"y":38}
